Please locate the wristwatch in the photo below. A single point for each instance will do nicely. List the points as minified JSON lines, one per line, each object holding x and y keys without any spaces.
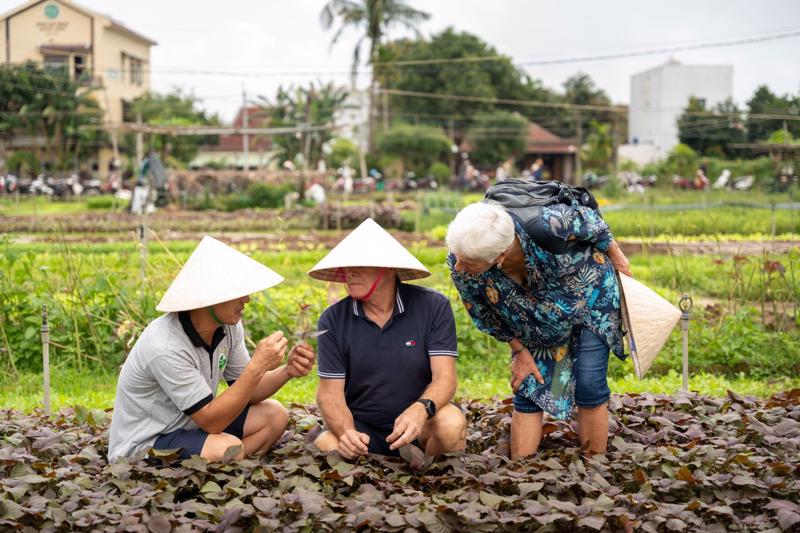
{"x":430,"y":407}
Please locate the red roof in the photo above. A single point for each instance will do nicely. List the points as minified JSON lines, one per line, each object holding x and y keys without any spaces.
{"x":542,"y":141}
{"x":256,"y":118}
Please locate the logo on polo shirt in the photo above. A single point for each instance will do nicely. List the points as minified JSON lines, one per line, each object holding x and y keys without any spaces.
{"x":411,"y":343}
{"x":223,"y":361}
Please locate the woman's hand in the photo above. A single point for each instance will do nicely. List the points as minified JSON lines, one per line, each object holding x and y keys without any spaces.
{"x":618,"y":259}
{"x":522,"y":366}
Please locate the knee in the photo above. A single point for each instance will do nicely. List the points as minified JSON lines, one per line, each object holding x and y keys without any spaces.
{"x":450,"y":425}
{"x":218,"y":444}
{"x":327,"y":441}
{"x":273,"y":414}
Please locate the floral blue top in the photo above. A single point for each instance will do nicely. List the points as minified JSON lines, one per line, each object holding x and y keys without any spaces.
{"x":562,"y":293}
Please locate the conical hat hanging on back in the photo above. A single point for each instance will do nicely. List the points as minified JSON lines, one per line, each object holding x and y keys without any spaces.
{"x":648,"y":318}
{"x":369,"y":245}
{"x":213,"y":274}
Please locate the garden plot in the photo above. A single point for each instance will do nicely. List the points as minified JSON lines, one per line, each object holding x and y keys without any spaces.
{"x":674,"y":463}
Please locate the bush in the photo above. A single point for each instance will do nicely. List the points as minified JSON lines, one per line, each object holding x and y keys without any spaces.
{"x":440,"y":172}
{"x":416,"y":146}
{"x":104,"y":202}
{"x":343,"y":151}
{"x":22,"y":163}
{"x":258,"y":195}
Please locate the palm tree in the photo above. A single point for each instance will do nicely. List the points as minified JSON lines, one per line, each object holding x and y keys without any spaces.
{"x":374,"y":18}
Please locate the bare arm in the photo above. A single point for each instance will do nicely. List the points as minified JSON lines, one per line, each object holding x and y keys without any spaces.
{"x":339,"y":419}
{"x":441,"y":389}
{"x":221,"y":411}
{"x":298,"y":364}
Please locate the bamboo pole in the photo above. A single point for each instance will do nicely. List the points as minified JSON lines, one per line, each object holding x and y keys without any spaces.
{"x":46,"y":360}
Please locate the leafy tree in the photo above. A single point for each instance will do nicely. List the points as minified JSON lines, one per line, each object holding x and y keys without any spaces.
{"x":343,"y":151}
{"x":496,"y":136}
{"x":579,"y":89}
{"x":487,"y":79}
{"x":373,"y":18}
{"x":682,"y":160}
{"x":172,"y":109}
{"x":711,"y":133}
{"x":600,"y":150}
{"x":766,"y":102}
{"x":417,"y":147}
{"x":54,"y":110}
{"x":295,"y":106}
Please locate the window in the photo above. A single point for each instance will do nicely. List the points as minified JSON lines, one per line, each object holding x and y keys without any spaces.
{"x":135,"y":71}
{"x":56,"y":63}
{"x":78,"y":66}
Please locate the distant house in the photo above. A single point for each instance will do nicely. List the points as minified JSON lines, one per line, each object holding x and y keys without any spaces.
{"x":557,"y":154}
{"x":229,"y":153}
{"x":89,"y":47}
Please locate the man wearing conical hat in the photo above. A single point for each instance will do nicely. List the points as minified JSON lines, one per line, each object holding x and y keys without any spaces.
{"x":387,"y":363}
{"x":166,"y":393}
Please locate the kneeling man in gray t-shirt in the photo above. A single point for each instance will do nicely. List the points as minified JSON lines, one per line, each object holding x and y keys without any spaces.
{"x":166,"y":393}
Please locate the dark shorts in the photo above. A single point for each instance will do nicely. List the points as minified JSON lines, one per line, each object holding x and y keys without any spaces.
{"x":377,"y":439}
{"x":191,"y":441}
{"x":591,"y":376}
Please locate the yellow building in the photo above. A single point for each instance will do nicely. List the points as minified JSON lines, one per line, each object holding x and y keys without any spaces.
{"x":63,"y":35}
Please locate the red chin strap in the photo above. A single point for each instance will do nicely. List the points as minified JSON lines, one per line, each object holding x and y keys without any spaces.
{"x":371,"y":290}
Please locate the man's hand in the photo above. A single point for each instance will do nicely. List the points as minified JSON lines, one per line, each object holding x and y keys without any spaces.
{"x":407,"y":426}
{"x":352,"y":444}
{"x":269,"y":352}
{"x":300,"y":361}
{"x":618,"y":259}
{"x":522,"y":366}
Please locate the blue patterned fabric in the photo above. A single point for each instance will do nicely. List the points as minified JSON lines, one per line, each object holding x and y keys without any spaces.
{"x":562,"y":294}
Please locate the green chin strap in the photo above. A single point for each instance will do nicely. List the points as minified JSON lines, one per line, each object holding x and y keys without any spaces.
{"x":214,"y":315}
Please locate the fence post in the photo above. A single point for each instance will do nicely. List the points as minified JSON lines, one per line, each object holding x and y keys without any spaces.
{"x":46,"y":360}
{"x":685,"y":305}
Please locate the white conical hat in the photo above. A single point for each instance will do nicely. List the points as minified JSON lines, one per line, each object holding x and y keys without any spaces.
{"x":649,"y":320}
{"x":213,"y":274}
{"x":369,"y":245}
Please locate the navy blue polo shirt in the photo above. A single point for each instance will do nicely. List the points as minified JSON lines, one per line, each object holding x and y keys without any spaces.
{"x":385,"y":370}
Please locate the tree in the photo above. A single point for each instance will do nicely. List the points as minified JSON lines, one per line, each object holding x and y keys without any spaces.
{"x":417,"y":147}
{"x":497,"y":78}
{"x":766,"y":102}
{"x":496,"y":136}
{"x":373,"y":18}
{"x":295,"y":106}
{"x":682,"y":161}
{"x":59,"y":114}
{"x":712,"y":132}
{"x":172,"y":109}
{"x":343,"y":151}
{"x":600,"y":150}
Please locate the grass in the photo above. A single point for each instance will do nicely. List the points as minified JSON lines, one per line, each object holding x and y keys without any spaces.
{"x":96,"y":389}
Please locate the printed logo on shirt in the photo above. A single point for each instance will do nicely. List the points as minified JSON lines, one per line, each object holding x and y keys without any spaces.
{"x":223,"y":361}
{"x":411,"y":343}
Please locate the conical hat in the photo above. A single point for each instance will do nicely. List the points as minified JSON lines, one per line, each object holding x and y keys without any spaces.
{"x":369,"y":245}
{"x":213,"y":274}
{"x":649,"y":320}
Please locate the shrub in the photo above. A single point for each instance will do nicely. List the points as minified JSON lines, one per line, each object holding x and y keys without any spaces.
{"x":440,"y":172}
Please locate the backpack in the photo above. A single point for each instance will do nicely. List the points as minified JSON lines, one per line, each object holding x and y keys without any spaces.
{"x":524,"y":200}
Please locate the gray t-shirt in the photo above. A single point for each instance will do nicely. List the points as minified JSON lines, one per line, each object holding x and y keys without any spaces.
{"x":165,"y":375}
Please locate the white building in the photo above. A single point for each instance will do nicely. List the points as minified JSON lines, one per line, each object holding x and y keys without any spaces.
{"x":353,"y":118}
{"x":659,"y":96}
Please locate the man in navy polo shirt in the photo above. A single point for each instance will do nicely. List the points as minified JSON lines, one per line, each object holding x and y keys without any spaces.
{"x":387,"y":361}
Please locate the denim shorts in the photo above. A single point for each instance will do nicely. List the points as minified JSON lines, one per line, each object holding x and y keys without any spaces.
{"x":191,"y":441}
{"x":591,"y":369}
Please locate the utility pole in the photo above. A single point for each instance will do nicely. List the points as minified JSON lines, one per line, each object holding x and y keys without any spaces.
{"x":385,"y":111}
{"x":579,"y":142}
{"x":139,"y":143}
{"x":245,"y":136}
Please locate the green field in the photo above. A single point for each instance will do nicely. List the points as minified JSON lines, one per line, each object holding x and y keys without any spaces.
{"x":747,"y":340}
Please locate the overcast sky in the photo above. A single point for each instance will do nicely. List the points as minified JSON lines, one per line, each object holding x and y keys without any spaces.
{"x":262,"y":44}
